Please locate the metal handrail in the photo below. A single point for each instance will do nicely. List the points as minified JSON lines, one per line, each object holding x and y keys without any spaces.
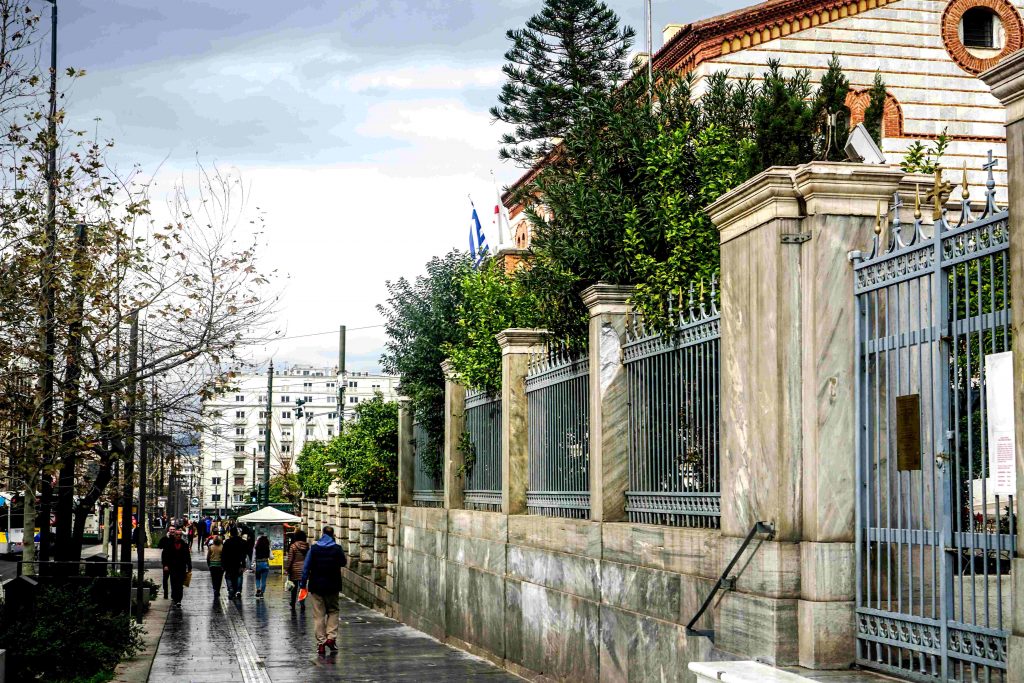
{"x":758,"y":528}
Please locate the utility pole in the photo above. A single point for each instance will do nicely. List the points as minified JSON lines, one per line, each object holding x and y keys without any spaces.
{"x":266,"y":434}
{"x":48,"y":291}
{"x":129,"y":442}
{"x":255,"y":487}
{"x":341,"y":379}
{"x":143,"y":459}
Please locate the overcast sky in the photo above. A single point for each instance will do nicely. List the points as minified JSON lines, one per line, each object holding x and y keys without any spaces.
{"x":359,"y":125}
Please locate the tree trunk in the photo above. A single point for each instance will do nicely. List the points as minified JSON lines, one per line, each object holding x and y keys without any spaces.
{"x":28,"y":539}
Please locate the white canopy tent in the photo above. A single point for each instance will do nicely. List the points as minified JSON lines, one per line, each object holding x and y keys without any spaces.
{"x":269,"y":515}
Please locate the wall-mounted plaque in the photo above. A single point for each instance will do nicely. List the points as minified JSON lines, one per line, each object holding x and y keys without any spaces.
{"x":1001,"y":443}
{"x":908,"y":432}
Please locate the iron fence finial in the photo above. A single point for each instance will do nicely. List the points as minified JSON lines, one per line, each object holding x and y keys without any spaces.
{"x":878,"y":218}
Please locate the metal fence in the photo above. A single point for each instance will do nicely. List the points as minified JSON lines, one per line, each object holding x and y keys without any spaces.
{"x":558,"y":405}
{"x":935,"y":528}
{"x":673,"y":390}
{"x":482,"y":488}
{"x":427,"y":490}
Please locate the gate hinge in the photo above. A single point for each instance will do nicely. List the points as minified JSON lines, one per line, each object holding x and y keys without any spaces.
{"x":796,"y":238}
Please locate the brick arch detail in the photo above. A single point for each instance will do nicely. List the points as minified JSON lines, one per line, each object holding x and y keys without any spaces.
{"x":1013,"y":28}
{"x":857,"y":102}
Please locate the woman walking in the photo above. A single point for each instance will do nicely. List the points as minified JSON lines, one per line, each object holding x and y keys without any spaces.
{"x":213,"y":560}
{"x":261,"y":563}
{"x":293,"y":563}
{"x":177,"y":562}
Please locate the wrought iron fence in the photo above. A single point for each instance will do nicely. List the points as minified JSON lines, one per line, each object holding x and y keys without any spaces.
{"x":427,"y":490}
{"x":673,"y":390}
{"x":558,"y":413}
{"x":482,"y":489}
{"x":935,"y":530}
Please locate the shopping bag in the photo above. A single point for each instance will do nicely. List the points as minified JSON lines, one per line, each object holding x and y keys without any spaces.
{"x":288,"y":585}
{"x":188,"y":579}
{"x":302,"y":594}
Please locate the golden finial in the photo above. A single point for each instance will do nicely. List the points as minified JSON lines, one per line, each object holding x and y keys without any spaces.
{"x":878,"y":218}
{"x":917,"y":201}
{"x":940,"y":189}
{"x":966,"y":193}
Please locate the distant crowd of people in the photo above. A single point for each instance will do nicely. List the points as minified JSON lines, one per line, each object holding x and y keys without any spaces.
{"x":233,"y":547}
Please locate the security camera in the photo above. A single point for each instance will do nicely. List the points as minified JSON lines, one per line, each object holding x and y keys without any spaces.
{"x":860,"y":147}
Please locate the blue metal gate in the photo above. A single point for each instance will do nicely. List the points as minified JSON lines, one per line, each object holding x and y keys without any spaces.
{"x":934,"y":540}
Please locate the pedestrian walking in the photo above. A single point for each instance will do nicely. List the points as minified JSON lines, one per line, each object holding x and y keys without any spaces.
{"x":233,"y":560}
{"x":214,"y":553}
{"x":201,"y":534}
{"x":177,"y":562}
{"x":321,"y":576}
{"x":191,"y":535}
{"x":293,"y":564}
{"x":261,"y":563}
{"x":165,"y":541}
{"x":250,"y":540}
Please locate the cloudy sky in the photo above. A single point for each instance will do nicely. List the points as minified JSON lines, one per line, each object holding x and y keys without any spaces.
{"x":360,"y":127}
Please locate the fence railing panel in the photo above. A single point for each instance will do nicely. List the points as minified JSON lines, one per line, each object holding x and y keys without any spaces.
{"x":482,"y":482}
{"x":427,"y":490}
{"x":558,"y":413}
{"x":673,"y":392}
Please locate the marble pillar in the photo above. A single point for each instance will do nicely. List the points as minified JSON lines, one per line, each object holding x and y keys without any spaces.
{"x":788,"y":453}
{"x":517,"y":345}
{"x":406,"y":476}
{"x":1007,"y":83}
{"x":454,"y":426}
{"x":609,"y":423}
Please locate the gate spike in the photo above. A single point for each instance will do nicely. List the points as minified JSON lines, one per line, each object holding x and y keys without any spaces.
{"x":703,"y":313}
{"x":714,"y":293}
{"x":965,"y":202}
{"x":691,"y":302}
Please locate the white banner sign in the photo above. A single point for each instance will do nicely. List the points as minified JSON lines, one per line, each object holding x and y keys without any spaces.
{"x":999,"y":400}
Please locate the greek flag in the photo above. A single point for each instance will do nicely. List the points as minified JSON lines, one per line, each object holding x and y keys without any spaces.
{"x":477,"y":239}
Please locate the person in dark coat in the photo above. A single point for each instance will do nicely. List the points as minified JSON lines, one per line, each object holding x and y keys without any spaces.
{"x":177,"y":561}
{"x":321,"y":576}
{"x":294,"y":562}
{"x":165,"y":541}
{"x":233,"y":558}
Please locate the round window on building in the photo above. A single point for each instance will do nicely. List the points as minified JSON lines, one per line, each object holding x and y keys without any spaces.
{"x":981,"y":32}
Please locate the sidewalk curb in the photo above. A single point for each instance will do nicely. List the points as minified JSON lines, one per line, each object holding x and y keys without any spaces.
{"x":136,"y":669}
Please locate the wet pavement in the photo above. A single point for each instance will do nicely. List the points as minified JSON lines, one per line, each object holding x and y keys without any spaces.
{"x":252,"y":640}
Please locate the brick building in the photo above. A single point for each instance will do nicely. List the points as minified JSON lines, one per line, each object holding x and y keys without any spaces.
{"x":929,"y":53}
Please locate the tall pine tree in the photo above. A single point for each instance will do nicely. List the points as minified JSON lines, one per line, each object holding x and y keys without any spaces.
{"x":570,"y":50}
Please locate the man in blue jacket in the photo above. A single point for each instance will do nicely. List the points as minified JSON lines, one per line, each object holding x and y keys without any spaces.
{"x":321,"y":576}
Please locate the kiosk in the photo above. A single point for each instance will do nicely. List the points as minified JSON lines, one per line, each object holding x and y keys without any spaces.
{"x":271,"y":521}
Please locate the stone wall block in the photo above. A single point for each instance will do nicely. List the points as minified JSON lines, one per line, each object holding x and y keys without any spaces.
{"x":755,"y":627}
{"x":827,"y":633}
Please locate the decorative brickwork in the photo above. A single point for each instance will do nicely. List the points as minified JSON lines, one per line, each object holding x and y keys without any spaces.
{"x":857,"y":102}
{"x":1013,"y":30}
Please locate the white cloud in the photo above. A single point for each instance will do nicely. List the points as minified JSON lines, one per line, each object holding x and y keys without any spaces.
{"x":436,"y":77}
{"x":447,"y":121}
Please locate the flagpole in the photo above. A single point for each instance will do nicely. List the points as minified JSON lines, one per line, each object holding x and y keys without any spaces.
{"x":498,"y":208}
{"x":650,"y":51}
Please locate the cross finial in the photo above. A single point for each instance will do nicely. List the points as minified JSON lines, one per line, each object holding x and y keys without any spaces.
{"x":940,"y":190}
{"x":991,"y":163}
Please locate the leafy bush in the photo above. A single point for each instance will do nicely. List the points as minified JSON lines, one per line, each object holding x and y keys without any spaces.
{"x":69,"y":622}
{"x":922,"y":158}
{"x":492,"y":301}
{"x":418,"y":319}
{"x":367,"y":452}
{"x":313,"y":477}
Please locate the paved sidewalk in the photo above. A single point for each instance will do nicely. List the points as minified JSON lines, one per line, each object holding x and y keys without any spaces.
{"x":264,"y":641}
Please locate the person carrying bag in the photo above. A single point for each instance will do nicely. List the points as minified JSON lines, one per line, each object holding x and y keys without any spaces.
{"x":177,"y":562}
{"x":321,"y":576}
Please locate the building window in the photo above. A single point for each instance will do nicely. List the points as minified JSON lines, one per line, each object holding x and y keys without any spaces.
{"x":286,"y":399}
{"x":215,"y":498}
{"x":263,"y":398}
{"x":215,"y":465}
{"x":331,"y":385}
{"x":332,"y":399}
{"x":260,"y":448}
{"x":260,"y":464}
{"x":263,"y":432}
{"x":239,"y":431}
{"x":239,"y":398}
{"x":353,"y":385}
{"x":239,"y":481}
{"x":307,"y":385}
{"x":215,"y":481}
{"x":239,"y":463}
{"x":332,"y":416}
{"x":309,"y":432}
{"x":978,"y":28}
{"x":240,"y":414}
{"x":353,"y":399}
{"x":330,"y":431}
{"x":286,"y":414}
{"x":286,"y":448}
{"x":239,"y":448}
{"x":263,"y":415}
{"x":286,"y":433}
{"x":238,"y":497}
{"x":308,"y":399}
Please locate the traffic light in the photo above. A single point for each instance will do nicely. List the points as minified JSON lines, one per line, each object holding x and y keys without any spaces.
{"x":299,"y":402}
